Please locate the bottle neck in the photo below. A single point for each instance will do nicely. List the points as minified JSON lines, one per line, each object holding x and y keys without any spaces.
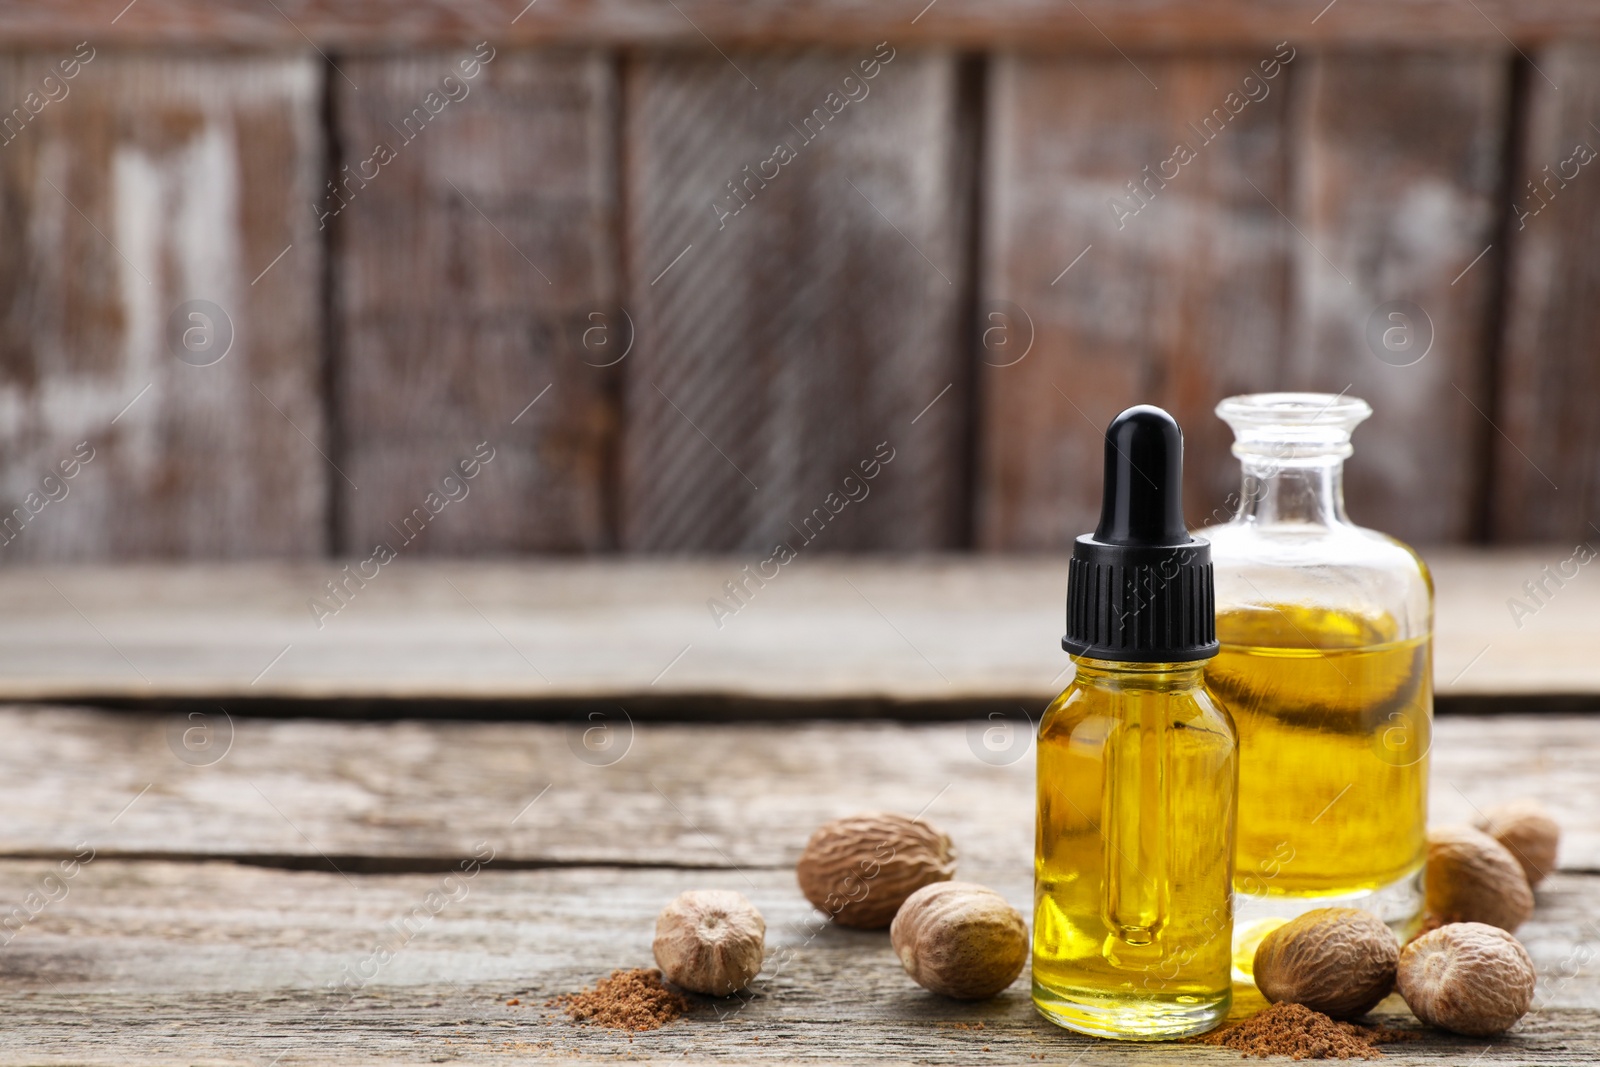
{"x":1125,"y":674}
{"x":1308,"y":491}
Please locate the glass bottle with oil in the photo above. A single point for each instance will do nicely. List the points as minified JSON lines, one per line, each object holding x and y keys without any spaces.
{"x":1326,"y":666}
{"x":1133,"y":871}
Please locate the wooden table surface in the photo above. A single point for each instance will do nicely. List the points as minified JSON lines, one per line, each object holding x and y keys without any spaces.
{"x":874,"y":635}
{"x":249,"y":875}
{"x":242,"y":880}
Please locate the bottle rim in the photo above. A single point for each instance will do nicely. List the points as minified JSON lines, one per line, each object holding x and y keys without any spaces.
{"x":1294,"y":410}
{"x":1290,"y":427}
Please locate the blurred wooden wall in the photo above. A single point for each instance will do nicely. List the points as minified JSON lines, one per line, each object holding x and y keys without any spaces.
{"x":590,"y":260}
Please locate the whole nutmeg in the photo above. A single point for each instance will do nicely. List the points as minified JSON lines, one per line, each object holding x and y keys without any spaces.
{"x":1474,"y":878}
{"x":960,"y":939}
{"x":860,"y":869}
{"x":1527,"y":831}
{"x":710,"y":941}
{"x":1339,"y":961}
{"x":1471,"y":978}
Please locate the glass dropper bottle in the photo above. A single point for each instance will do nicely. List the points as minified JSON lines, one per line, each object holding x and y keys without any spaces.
{"x":1137,"y":782}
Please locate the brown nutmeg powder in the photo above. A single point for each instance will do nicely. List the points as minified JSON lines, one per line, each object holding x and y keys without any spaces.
{"x":628,"y":1000}
{"x":1295,"y":1031}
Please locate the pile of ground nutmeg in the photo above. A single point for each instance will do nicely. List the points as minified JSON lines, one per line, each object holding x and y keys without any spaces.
{"x":632,"y":1000}
{"x":1295,"y":1031}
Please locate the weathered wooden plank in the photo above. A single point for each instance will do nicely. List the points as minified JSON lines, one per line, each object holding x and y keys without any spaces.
{"x":973,"y":23}
{"x":1398,"y":197}
{"x":159,"y":292}
{"x":608,"y":791}
{"x":797,"y":279}
{"x":1546,"y":440}
{"x":872,"y":635}
{"x":476,"y":274}
{"x":1132,"y":239}
{"x":545,"y":932}
{"x":611,"y":791}
{"x":155,"y":962}
{"x":116,"y":959}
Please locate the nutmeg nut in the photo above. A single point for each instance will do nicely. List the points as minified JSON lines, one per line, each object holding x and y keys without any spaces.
{"x":1470,"y":978}
{"x":960,"y":939}
{"x":1339,"y":961}
{"x":710,"y":941}
{"x":1527,"y":831}
{"x":1472,"y":877}
{"x":860,"y":869}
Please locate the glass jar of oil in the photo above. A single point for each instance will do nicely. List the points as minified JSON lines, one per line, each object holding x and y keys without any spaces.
{"x":1326,"y":666}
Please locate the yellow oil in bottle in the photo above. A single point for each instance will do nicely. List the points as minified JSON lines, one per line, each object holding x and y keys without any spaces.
{"x":1134,"y":864}
{"x":1334,"y":713}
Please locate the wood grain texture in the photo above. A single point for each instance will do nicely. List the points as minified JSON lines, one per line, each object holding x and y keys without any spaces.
{"x":1094,"y":24}
{"x":1398,"y":193}
{"x":1546,"y":440}
{"x":812,"y":326}
{"x":157,"y":963}
{"x":845,"y":636}
{"x":1178,"y":297}
{"x":476,"y":270}
{"x":140,"y":960}
{"x":544,"y":794}
{"x":399,"y":796}
{"x":137,"y":185}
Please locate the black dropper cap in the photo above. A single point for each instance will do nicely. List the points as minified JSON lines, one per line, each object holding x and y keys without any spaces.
{"x":1139,"y":587}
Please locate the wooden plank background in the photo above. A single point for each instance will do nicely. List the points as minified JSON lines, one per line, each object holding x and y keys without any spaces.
{"x":938,"y":275}
{"x":155,"y":182}
{"x":1180,"y":302}
{"x":1544,"y":470}
{"x":466,"y":272}
{"x":1097,"y":24}
{"x":793,"y":329}
{"x":1399,"y":182}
